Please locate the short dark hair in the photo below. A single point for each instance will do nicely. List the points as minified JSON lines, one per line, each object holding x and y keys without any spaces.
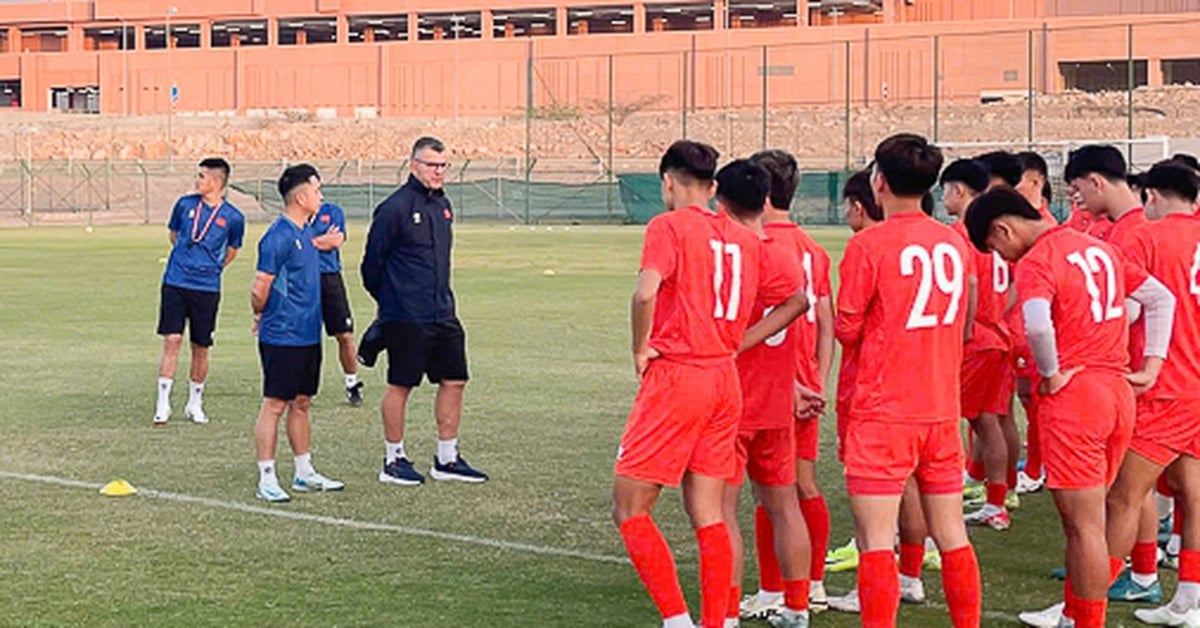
{"x":928,"y":204}
{"x":857,"y":189}
{"x":743,"y":186}
{"x":218,"y":164}
{"x":1186,"y":159}
{"x":968,"y":172}
{"x":1047,"y":191}
{"x":691,"y":160}
{"x":909,"y":164}
{"x":295,"y":176}
{"x":428,"y":142}
{"x":1002,"y":165}
{"x":785,"y":175}
{"x":1100,"y":159}
{"x":1032,"y":162}
{"x":1171,"y":179}
{"x":991,"y":205}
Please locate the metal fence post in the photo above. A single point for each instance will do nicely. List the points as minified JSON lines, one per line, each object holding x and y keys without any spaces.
{"x":146,"y":191}
{"x":528,"y":125}
{"x":847,"y":69}
{"x":1029,"y":97}
{"x":1129,"y":91}
{"x":608,"y":201}
{"x":765,"y":74}
{"x":937,"y":41}
{"x":683,"y":91}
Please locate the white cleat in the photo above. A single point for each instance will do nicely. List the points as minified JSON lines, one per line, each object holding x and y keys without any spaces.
{"x":912,"y":590}
{"x":1167,"y":616}
{"x":316,"y":483}
{"x":196,"y":414}
{"x":818,"y":599}
{"x":760,"y":605}
{"x":848,"y":603}
{"x":1047,"y":618}
{"x":162,"y":413}
{"x":1026,"y":484}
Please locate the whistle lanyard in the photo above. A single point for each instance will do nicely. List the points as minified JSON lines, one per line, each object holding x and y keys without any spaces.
{"x":198,"y":236}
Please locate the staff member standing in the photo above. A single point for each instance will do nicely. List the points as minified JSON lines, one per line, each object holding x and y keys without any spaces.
{"x":330,"y":229}
{"x":406,"y":269}
{"x":206,"y":233}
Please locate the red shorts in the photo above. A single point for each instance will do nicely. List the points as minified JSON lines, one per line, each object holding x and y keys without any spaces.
{"x":808,"y":439}
{"x":1022,"y":362}
{"x":881,"y":455}
{"x":842,"y":418}
{"x":684,"y":419}
{"x":1167,"y":429}
{"x":766,"y":456}
{"x":987,"y":383}
{"x":1085,"y":430}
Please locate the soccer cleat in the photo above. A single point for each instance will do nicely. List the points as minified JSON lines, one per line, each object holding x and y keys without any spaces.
{"x":1046,"y":618}
{"x":196,"y":414}
{"x":788,"y":618}
{"x":458,"y":471}
{"x":354,"y":394}
{"x":848,"y":603}
{"x":1059,"y":573}
{"x":1012,"y":501}
{"x":162,"y":413}
{"x":996,"y":519}
{"x":1026,"y":484}
{"x":912,"y":590}
{"x":760,"y":606}
{"x":371,"y":345}
{"x":272,"y":493}
{"x":316,"y":483}
{"x":1169,"y":561}
{"x":1126,"y":590}
{"x":1167,"y":616}
{"x":400,"y":471}
{"x":843,"y":558}
{"x":818,"y":599}
{"x":974,"y":492}
{"x":933,"y":558}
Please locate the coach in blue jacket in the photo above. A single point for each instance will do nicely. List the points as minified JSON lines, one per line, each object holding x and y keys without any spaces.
{"x":406,"y":269}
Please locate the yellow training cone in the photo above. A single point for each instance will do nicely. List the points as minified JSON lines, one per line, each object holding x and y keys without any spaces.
{"x":118,"y":488}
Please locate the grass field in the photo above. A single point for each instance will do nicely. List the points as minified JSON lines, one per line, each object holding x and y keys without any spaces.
{"x":552,"y":382}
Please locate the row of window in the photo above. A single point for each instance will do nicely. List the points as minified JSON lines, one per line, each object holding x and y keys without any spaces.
{"x":697,"y":15}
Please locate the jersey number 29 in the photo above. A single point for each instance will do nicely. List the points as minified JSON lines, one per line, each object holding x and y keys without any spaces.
{"x":942,"y":266}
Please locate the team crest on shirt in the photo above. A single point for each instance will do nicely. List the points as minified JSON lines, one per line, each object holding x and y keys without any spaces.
{"x":192,"y":213}
{"x":416,"y":218}
{"x":447,"y":214}
{"x":221,"y":221}
{"x":325,"y":219}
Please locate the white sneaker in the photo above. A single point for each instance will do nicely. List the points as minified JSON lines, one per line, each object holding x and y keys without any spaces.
{"x":1166,"y":616}
{"x":990,"y":516}
{"x":1046,"y":618}
{"x":162,"y":413}
{"x":818,"y":599}
{"x":848,"y":603}
{"x":912,"y":590}
{"x":316,"y":483}
{"x":196,"y":414}
{"x":1026,"y":484}
{"x":272,"y":493}
{"x":760,"y":605}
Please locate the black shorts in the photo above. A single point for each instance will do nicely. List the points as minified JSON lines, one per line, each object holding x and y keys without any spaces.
{"x":335,"y":307}
{"x":436,"y":350}
{"x":289,"y":372}
{"x":195,"y":307}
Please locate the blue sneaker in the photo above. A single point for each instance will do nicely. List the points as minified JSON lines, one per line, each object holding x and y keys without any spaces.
{"x":1126,"y":590}
{"x":1059,"y":573}
{"x":400,"y":471}
{"x":458,"y":471}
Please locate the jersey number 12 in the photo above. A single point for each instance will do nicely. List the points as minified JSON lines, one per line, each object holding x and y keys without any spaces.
{"x":1094,"y":261}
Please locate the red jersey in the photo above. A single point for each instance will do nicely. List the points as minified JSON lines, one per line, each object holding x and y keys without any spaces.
{"x":1120,"y":236}
{"x":1085,"y":281}
{"x":711,"y":268}
{"x":816,"y":266}
{"x":767,"y":369}
{"x":992,"y":276}
{"x":847,"y":374}
{"x":1083,"y":221}
{"x":903,"y":299}
{"x":1044,"y":210}
{"x":1169,"y":249}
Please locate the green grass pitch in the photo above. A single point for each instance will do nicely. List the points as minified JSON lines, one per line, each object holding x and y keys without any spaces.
{"x":552,"y":383}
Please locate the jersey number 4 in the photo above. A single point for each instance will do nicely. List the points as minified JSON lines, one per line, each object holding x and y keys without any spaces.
{"x":942,"y":266}
{"x":1092,"y":262}
{"x":727,"y":308}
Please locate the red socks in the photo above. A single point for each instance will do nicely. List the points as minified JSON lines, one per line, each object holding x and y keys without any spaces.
{"x":1189,"y":565}
{"x":716,"y":572}
{"x":654,"y":564}
{"x":1012,"y":476}
{"x":1033,"y":446}
{"x":1090,"y":613}
{"x":1115,"y":567}
{"x":961,"y":583}
{"x":795,"y":594}
{"x":770,"y":578}
{"x":975,"y":470}
{"x":879,"y":588}
{"x":1145,"y":558}
{"x":735,"y":602}
{"x":912,"y":557}
{"x":995,"y":494}
{"x":816,"y":517}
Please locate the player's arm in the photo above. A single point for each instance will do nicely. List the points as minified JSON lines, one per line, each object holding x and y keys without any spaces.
{"x":641,"y":317}
{"x":1039,"y":331}
{"x":260,"y":291}
{"x":174,"y":224}
{"x":824,"y":337}
{"x":781,"y":316}
{"x":972,"y":306}
{"x":230,"y":253}
{"x":383,"y":231}
{"x":237,"y":231}
{"x":1159,"y":312}
{"x":332,"y":239}
{"x":854,"y":294}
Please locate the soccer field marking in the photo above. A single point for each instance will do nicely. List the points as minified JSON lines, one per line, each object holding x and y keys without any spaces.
{"x":330,"y":521}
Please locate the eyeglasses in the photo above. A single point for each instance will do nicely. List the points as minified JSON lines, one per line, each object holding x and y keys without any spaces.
{"x":436,"y":165}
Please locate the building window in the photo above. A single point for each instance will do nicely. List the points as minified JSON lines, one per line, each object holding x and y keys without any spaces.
{"x":115,"y":37}
{"x":1181,"y":71}
{"x":184,"y":36}
{"x":1102,"y":76}
{"x":234,"y":34}
{"x":298,"y":31}
{"x":10,"y":93}
{"x":607,"y":19}
{"x":760,"y":14}
{"x":449,"y":26}
{"x":679,"y":17}
{"x":369,"y":28}
{"x":44,"y":39}
{"x":524,"y":23}
{"x":75,"y":99}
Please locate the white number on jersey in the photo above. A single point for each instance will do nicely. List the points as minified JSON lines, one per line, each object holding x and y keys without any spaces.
{"x":780,"y":336}
{"x":1194,"y":276}
{"x":1092,"y":262}
{"x":810,"y":291}
{"x":1001,"y":275}
{"x":933,"y":270}
{"x":726,"y":309}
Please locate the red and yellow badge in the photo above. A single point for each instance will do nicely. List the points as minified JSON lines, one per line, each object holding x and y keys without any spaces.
{"x":220,"y":221}
{"x":447,"y":214}
{"x":325,"y":218}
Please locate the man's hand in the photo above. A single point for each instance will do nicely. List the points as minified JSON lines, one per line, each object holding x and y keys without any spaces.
{"x":1145,"y":379}
{"x":641,"y":360}
{"x":331,"y":240}
{"x":1056,"y":382}
{"x":255,"y":323}
{"x":810,"y":404}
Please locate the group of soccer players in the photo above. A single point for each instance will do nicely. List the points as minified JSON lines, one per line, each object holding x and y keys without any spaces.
{"x":1094,"y":325}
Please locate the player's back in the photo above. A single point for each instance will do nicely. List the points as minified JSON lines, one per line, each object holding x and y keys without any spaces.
{"x":992,"y":273}
{"x":815,"y":265}
{"x":910,"y":292}
{"x":711,"y":272}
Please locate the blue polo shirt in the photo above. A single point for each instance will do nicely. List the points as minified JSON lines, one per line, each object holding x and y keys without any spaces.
{"x":292,"y":317}
{"x":202,"y":240}
{"x":328,"y":216}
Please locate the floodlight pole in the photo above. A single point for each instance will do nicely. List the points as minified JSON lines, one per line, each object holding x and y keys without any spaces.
{"x":170,"y":95}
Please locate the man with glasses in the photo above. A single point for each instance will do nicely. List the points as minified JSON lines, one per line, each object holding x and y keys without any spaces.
{"x":406,"y":269}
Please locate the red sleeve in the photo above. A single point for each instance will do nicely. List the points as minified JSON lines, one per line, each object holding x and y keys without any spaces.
{"x":822,"y":286}
{"x":856,"y":292}
{"x":1035,"y":277}
{"x":780,"y":276}
{"x":1135,"y":273}
{"x":659,"y":248}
